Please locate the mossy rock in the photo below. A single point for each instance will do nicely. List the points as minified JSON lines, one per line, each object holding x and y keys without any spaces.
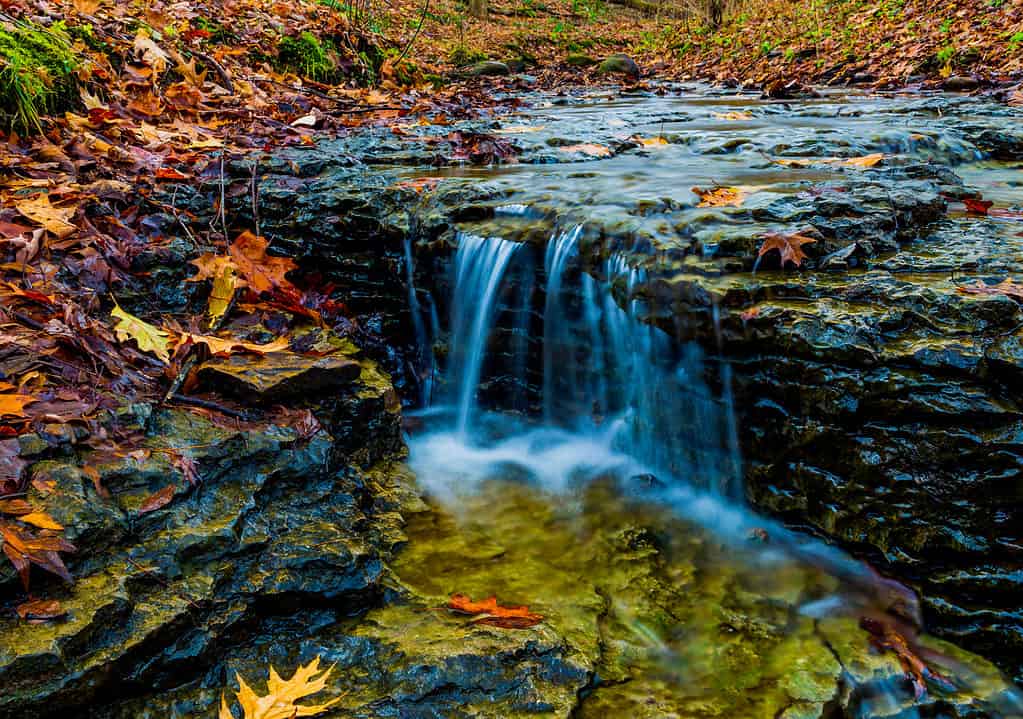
{"x":462,"y":56}
{"x":489,"y":68}
{"x":310,"y":57}
{"x":578,"y":59}
{"x":37,"y":74}
{"x":619,"y":64}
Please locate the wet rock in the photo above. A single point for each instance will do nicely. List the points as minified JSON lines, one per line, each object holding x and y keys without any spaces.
{"x":489,"y":67}
{"x":619,"y":64}
{"x":960,"y":83}
{"x":277,"y":377}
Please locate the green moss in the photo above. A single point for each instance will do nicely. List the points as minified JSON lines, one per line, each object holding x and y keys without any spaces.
{"x":37,"y":74}
{"x":462,"y":56}
{"x":309,"y":56}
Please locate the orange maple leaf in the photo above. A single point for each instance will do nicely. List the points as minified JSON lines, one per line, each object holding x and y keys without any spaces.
{"x":496,"y":615}
{"x":790,"y":246}
{"x":262,"y":271}
{"x":719,"y":196}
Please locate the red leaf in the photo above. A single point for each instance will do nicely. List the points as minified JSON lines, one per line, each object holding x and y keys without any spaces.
{"x":977,"y":206}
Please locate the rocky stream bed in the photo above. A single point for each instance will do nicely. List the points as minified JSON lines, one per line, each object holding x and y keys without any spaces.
{"x":863,"y":399}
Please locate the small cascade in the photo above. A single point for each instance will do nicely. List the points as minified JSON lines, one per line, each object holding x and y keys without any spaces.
{"x":606,"y":373}
{"x":480,"y":264}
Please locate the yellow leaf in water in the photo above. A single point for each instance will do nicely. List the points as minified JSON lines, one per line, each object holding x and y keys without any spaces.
{"x":732,"y":115}
{"x":54,"y":219}
{"x":650,"y":141}
{"x":279,"y":702}
{"x":865,"y":161}
{"x":148,"y":337}
{"x":946,"y":70}
{"x":719,"y":196}
{"x":588,"y":149}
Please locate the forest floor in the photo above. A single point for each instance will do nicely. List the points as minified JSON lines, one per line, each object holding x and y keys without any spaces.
{"x":114,"y":100}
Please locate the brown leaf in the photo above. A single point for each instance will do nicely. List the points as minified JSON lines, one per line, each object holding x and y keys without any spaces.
{"x":40,"y":210}
{"x":36,"y":610}
{"x":1006,"y":287}
{"x":157,"y":500}
{"x":788,"y":245}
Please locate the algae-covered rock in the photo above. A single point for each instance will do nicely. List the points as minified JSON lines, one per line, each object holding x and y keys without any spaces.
{"x":619,"y":64}
{"x":489,"y":67}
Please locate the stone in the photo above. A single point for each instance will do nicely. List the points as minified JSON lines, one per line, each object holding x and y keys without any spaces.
{"x":620,"y":64}
{"x":960,"y":83}
{"x":489,"y":68}
{"x":578,"y":59}
{"x":277,"y":377}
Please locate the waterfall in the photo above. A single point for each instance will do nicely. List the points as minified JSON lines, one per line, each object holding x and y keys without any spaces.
{"x":480,"y":264}
{"x":606,"y":373}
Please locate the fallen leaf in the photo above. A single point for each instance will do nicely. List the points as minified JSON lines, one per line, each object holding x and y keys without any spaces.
{"x":1006,"y":287}
{"x":977,"y":206}
{"x":40,"y":210}
{"x":732,"y":115}
{"x":280,"y":700}
{"x":788,"y":245}
{"x":36,"y":610}
{"x":148,"y":337}
{"x":587,"y":148}
{"x":149,"y":52}
{"x":158,"y":500}
{"x":506,"y":617}
{"x":263,"y":272}
{"x":224,"y":346}
{"x":865,"y":161}
{"x":650,"y":141}
{"x":41,"y":520}
{"x":719,"y":196}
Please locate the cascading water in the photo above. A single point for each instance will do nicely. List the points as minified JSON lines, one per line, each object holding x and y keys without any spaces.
{"x":480,"y":264}
{"x":607,"y":375}
{"x":619,"y":400}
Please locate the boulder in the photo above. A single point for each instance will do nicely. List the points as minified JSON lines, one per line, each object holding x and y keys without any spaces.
{"x":620,"y":64}
{"x":489,"y":68}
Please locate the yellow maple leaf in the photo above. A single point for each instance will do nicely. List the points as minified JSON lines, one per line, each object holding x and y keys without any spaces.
{"x":148,"y":337}
{"x":279,"y":702}
{"x":227,"y":346}
{"x":719,"y":196}
{"x":650,"y":141}
{"x":40,"y":210}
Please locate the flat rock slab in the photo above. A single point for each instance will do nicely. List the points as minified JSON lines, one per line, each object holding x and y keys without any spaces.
{"x":277,"y":377}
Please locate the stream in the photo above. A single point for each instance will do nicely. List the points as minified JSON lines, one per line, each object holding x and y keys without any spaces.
{"x":728,"y":488}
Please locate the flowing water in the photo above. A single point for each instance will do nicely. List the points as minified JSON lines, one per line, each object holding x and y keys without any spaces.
{"x":629,"y":428}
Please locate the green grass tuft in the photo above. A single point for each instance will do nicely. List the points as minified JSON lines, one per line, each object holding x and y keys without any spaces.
{"x":37,"y":74}
{"x":309,"y":56}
